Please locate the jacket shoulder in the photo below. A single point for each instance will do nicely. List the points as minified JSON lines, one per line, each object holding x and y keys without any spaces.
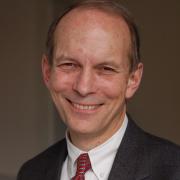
{"x":44,"y":161}
{"x":150,"y":156}
{"x":163,"y":158}
{"x":153,"y":145}
{"x":162,"y":151}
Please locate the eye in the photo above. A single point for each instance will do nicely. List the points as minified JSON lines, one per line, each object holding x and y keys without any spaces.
{"x":68,"y":66}
{"x":107,"y":70}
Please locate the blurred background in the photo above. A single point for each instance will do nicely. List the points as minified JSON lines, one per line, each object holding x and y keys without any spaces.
{"x":28,"y":120}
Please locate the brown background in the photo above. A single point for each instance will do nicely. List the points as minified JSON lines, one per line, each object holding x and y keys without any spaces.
{"x":28,"y":121}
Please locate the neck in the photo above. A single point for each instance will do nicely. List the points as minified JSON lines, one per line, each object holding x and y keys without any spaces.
{"x":86,"y":142}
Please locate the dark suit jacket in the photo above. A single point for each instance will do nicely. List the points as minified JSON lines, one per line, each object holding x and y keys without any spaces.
{"x":140,"y":156}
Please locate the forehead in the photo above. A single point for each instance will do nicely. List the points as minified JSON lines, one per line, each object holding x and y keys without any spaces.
{"x":92,"y":33}
{"x":84,"y":18}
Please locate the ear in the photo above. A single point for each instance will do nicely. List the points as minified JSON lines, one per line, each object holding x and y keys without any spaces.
{"x":134,"y":81}
{"x":46,"y":70}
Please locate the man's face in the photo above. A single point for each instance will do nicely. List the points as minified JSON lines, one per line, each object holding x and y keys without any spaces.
{"x":89,"y":80}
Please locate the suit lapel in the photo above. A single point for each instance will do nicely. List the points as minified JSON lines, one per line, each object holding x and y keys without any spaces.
{"x":130,"y":162}
{"x":56,"y":160}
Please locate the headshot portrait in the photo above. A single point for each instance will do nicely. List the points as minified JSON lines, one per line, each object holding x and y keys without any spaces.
{"x":103,"y":102}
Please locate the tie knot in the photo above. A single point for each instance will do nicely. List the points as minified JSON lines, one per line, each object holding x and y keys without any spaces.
{"x":83,"y":165}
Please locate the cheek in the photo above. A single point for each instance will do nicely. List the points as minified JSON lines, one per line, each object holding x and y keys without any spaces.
{"x":114,"y":89}
{"x":60,"y":81}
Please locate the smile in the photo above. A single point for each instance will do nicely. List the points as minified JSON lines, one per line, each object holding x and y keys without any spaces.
{"x":84,"y":107}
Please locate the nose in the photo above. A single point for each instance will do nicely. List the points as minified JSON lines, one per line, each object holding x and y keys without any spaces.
{"x":84,"y":83}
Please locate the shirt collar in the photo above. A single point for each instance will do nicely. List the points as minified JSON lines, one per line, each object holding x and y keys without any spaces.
{"x":73,"y":154}
{"x":100,"y":153}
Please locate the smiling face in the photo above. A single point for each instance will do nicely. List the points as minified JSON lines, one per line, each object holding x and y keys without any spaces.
{"x":89,"y":79}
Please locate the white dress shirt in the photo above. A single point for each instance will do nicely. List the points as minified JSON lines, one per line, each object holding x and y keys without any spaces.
{"x":101,"y":157}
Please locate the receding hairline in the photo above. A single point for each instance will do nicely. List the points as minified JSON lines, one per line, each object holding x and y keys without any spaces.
{"x":112,"y":9}
{"x":99,"y":7}
{"x":80,"y":10}
{"x":117,"y":24}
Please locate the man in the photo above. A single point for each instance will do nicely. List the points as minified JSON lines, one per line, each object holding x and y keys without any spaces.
{"x":91,"y":68}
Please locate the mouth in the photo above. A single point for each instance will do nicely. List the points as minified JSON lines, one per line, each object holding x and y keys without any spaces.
{"x":84,"y":108}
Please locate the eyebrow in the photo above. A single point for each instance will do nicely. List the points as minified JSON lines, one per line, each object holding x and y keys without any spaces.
{"x":63,"y":57}
{"x":109,"y":63}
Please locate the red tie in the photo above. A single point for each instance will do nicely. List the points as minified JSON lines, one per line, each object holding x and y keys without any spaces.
{"x":83,"y":165}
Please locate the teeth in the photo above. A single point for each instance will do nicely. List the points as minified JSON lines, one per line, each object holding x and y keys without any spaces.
{"x":84,"y":107}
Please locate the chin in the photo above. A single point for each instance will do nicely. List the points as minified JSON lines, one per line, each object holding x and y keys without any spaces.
{"x":81,"y":130}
